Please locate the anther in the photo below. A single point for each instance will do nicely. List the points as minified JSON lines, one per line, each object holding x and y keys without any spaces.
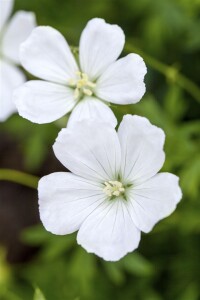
{"x":113,"y":188}
{"x":82,"y":85}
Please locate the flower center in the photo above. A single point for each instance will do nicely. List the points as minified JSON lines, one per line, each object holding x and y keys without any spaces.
{"x":113,"y":188}
{"x":82,"y":85}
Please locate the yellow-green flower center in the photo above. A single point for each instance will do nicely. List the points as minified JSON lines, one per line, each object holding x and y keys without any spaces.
{"x":113,"y":188}
{"x":82,"y":85}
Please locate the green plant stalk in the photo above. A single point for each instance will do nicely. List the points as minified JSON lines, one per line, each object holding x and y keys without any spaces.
{"x":170,"y":72}
{"x":19,"y":177}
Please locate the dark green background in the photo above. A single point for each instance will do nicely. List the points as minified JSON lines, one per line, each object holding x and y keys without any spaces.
{"x":167,"y":263}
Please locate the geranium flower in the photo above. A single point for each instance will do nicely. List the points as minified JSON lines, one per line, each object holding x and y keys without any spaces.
{"x":12,"y":34}
{"x":114,"y":191}
{"x":85,"y":85}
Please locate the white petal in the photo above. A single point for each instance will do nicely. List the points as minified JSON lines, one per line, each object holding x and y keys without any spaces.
{"x":123,"y":81}
{"x":90,"y":149}
{"x":10,"y":78}
{"x":18,"y":29}
{"x":153,"y":200}
{"x":100,"y":45}
{"x":142,"y":149}
{"x":92,"y":108}
{"x":109,"y":231}
{"x":47,"y":55}
{"x":5,"y":11}
{"x":65,"y":200}
{"x":43,"y":102}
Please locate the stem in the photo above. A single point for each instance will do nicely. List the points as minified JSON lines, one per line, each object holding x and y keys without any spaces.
{"x":171,"y":73}
{"x":19,"y":177}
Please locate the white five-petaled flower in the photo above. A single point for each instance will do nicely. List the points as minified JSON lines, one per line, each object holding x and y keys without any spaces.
{"x":114,"y":191}
{"x":78,"y":85}
{"x":12,"y":34}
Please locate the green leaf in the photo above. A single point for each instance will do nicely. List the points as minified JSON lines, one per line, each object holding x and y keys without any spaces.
{"x":174,"y":104}
{"x":38,"y":295}
{"x":191,"y":292}
{"x":150,"y":108}
{"x":82,"y":270}
{"x":57,"y":246}
{"x":35,"y":235}
{"x":6,"y":294}
{"x":114,"y":272}
{"x":136,"y":264}
{"x":190,"y":177}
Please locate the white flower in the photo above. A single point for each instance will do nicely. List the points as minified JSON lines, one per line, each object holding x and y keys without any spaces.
{"x":12,"y":34}
{"x":98,"y":75}
{"x":114,"y":191}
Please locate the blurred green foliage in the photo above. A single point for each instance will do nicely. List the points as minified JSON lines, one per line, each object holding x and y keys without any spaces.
{"x":38,"y":295}
{"x":167,"y":263}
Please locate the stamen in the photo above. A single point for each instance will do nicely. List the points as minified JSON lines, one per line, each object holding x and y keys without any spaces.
{"x":76,"y":93}
{"x":87,"y":92}
{"x":91,"y":84}
{"x":82,"y":85}
{"x":113,"y":188}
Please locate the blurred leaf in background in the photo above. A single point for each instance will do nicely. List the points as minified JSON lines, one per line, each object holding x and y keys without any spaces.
{"x":38,"y":295}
